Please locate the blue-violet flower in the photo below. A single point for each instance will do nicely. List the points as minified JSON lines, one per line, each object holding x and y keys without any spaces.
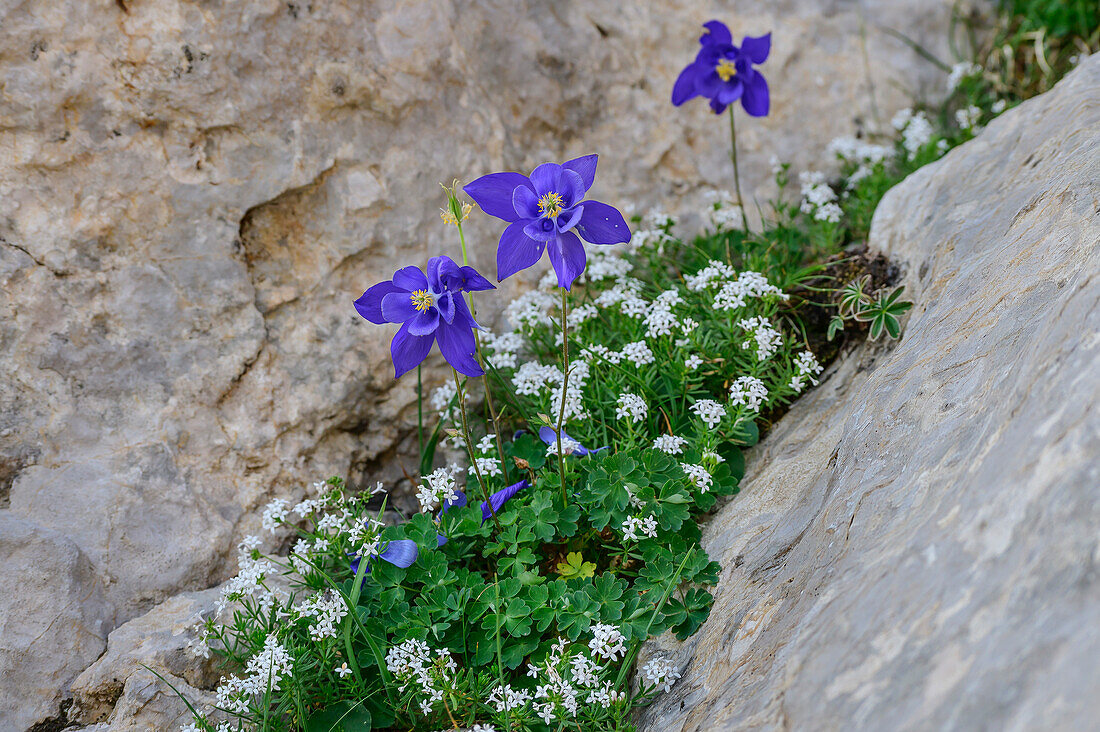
{"x":547,"y":211}
{"x":724,"y":73}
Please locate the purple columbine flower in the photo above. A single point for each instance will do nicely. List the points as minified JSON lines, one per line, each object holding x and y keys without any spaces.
{"x":547,"y":212}
{"x":550,"y":436}
{"x":430,"y":307}
{"x":724,"y":73}
{"x":399,"y":552}
{"x":498,"y":499}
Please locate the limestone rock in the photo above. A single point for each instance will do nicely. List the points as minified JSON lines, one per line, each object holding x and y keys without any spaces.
{"x":916,"y":545}
{"x":53,"y":620}
{"x":191,"y":195}
{"x":148,"y":703}
{"x":157,"y":640}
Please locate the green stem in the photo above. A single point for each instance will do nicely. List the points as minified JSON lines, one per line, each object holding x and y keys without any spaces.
{"x":470,"y":450}
{"x":420,"y":412}
{"x":736,"y":180}
{"x":564,"y":385}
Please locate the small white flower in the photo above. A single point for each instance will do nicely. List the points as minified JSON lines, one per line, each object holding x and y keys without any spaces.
{"x":710,"y":411}
{"x":485,"y":444}
{"x":693,"y":362}
{"x":488,"y":465}
{"x":342,"y":670}
{"x":661,"y":673}
{"x":698,"y":475}
{"x":638,"y":353}
{"x":999,"y":106}
{"x":632,"y":407}
{"x":669,"y":444}
{"x":635,"y":528}
{"x":748,"y":391}
{"x":274,"y":514}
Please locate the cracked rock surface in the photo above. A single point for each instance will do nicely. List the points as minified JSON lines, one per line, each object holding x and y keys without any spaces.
{"x":192,"y":194}
{"x":915,"y":546}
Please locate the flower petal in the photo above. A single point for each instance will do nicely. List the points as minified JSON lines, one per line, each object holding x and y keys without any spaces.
{"x":602,"y":224}
{"x":541,"y":229}
{"x":400,"y":552}
{"x":567,"y":257}
{"x":572,"y":188}
{"x":731,"y":91}
{"x":546,"y":178}
{"x":516,"y":251}
{"x":408,"y":350}
{"x":568,"y":219}
{"x":585,"y":167}
{"x":410,"y":278}
{"x":446,"y":305}
{"x":474,"y":282}
{"x":716,"y":34}
{"x":457,"y":344}
{"x":757,"y":48}
{"x":684,"y":88}
{"x":369,"y":304}
{"x":462,"y":314}
{"x":443,"y":274}
{"x":525,"y":203}
{"x":397,"y":307}
{"x":756,"y":99}
{"x":424,"y":323}
{"x":493,"y":193}
{"x":499,"y":498}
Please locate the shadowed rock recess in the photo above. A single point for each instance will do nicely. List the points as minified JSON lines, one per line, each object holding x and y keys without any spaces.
{"x":915,"y":546}
{"x":192,"y":194}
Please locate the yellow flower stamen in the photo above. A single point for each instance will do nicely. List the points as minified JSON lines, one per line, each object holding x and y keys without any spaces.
{"x":550,"y":204}
{"x":726,"y":70}
{"x":422,"y":300}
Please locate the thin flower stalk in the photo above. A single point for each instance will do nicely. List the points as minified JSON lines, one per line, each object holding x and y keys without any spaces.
{"x":564,"y":387}
{"x":470,"y":447}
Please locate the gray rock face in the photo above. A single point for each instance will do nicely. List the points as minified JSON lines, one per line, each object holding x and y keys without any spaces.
{"x":54,"y":620}
{"x":191,"y":195}
{"x":916,"y":546}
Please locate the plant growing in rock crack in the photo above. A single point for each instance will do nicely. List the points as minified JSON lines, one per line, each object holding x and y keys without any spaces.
{"x":614,"y":416}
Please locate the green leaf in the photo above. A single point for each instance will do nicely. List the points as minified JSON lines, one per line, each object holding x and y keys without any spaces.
{"x":836,"y":324}
{"x":574,"y":566}
{"x":339,"y":717}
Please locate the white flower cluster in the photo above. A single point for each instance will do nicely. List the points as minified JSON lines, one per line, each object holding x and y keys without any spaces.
{"x":438,"y":488}
{"x":818,"y":197}
{"x":275,"y":514}
{"x":568,"y":445}
{"x":533,"y":378}
{"x":326,"y":610}
{"x":441,"y":398}
{"x":503,"y":349}
{"x":960,"y":71}
{"x":635,"y":528}
{"x":767,"y":338}
{"x":864,"y":154}
{"x":579,"y":315}
{"x":669,"y":444}
{"x":735,"y":294}
{"x":604,"y":264}
{"x":710,"y":411}
{"x":607,"y":642}
{"x":660,"y":320}
{"x":263,"y":672}
{"x":915,"y":130}
{"x":657,"y":219}
{"x":808,"y":368}
{"x":967,"y":118}
{"x":486,"y":444}
{"x":631,"y":406}
{"x":724,"y":214}
{"x":411,"y":663}
{"x":488,"y":465}
{"x":748,"y":391}
{"x":709,"y":276}
{"x":660,"y":673}
{"x":248,"y":581}
{"x":698,"y":475}
{"x":530,"y":308}
{"x":638,"y":353}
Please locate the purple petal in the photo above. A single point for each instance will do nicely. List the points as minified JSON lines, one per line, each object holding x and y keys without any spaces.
{"x":499,"y":498}
{"x":493,"y":193}
{"x":585,"y":167}
{"x":408,"y":350}
{"x":717,"y":106}
{"x":568,"y":219}
{"x":474,"y":282}
{"x":424,"y":323}
{"x":684,"y":88}
{"x":369,"y":304}
{"x":602,"y":224}
{"x":457,"y":344}
{"x":549,"y":435}
{"x":525,"y":203}
{"x":567,"y":257}
{"x":716,"y":34}
{"x":731,"y":91}
{"x":400,"y":552}
{"x":546,"y":178}
{"x":440,"y":540}
{"x":516,"y":251}
{"x":541,"y":229}
{"x":756,"y":100}
{"x":444,"y":274}
{"x":458,"y":502}
{"x":410,"y":278}
{"x":572,"y":188}
{"x":757,"y":48}
{"x":397,"y":307}
{"x":462,"y":314}
{"x":446,"y":306}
